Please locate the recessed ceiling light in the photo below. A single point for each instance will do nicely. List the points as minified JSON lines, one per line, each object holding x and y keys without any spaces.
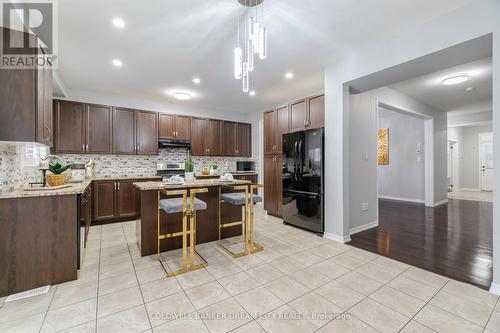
{"x":118,"y":22}
{"x":456,"y":79}
{"x":196,"y":80}
{"x":182,"y":96}
{"x":469,"y":89}
{"x":252,"y":93}
{"x":289,"y":75}
{"x":117,"y":63}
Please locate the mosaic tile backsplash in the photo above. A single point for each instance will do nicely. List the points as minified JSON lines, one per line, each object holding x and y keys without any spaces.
{"x":141,"y":165}
{"x":16,"y":170}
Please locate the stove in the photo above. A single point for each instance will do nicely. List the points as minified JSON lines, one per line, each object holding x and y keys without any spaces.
{"x":170,"y":169}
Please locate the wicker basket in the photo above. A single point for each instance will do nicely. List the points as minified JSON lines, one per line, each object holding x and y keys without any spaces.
{"x":57,"y":180}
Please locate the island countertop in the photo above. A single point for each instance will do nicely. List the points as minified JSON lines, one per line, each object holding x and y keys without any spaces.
{"x":152,"y":186}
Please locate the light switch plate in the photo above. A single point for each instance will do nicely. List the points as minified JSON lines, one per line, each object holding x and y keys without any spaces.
{"x":364,"y":206}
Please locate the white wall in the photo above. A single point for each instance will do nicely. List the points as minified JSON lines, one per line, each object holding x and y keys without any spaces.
{"x":363,"y":150}
{"x":404,"y":177}
{"x":403,"y":46}
{"x":466,"y":119}
{"x":456,"y":134}
{"x":470,"y":156}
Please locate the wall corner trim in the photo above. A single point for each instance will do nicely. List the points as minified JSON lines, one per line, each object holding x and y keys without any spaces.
{"x":363,"y":227}
{"x":336,"y":238}
{"x":495,"y":288}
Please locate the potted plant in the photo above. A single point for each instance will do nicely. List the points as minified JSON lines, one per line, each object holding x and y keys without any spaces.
{"x":189,"y":168}
{"x":213,"y":168}
{"x":57,"y":178}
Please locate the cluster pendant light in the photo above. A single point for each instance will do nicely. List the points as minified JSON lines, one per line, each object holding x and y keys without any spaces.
{"x":255,"y":41}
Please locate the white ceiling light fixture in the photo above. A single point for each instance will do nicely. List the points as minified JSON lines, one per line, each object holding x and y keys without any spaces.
{"x":470,"y":89}
{"x":289,"y":75}
{"x":118,"y":22}
{"x":255,"y":41}
{"x":117,"y":62}
{"x":196,"y":80}
{"x":252,"y":93}
{"x":456,"y":79}
{"x":183,"y":96}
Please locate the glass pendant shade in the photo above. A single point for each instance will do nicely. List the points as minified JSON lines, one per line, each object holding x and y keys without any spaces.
{"x":262,"y":42}
{"x":246,"y":78}
{"x":255,"y":37}
{"x":250,"y":57}
{"x":238,"y":63}
{"x":251,"y":22}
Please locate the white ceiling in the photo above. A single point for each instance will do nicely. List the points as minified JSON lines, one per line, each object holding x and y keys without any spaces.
{"x":429,"y":89}
{"x":166,"y":43}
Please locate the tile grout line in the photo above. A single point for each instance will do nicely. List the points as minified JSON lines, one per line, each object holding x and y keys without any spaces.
{"x":491,"y":314}
{"x":138,"y":284}
{"x":346,"y":311}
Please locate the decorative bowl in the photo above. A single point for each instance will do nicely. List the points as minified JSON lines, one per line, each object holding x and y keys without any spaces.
{"x":205,"y":171}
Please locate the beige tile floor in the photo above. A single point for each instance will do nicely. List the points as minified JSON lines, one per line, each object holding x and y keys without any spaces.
{"x":484,"y":196}
{"x":299,"y":283}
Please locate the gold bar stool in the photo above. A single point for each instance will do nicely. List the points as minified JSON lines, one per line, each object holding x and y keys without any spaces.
{"x":188,"y":209}
{"x":246,"y":199}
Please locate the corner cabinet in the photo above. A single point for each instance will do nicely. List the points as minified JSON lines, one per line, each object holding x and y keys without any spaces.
{"x":26,"y":98}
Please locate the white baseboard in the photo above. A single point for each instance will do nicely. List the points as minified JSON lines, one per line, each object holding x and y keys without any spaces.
{"x":469,"y":189}
{"x":340,"y":239}
{"x":495,"y":288}
{"x":439,"y":203}
{"x":387,"y":197}
{"x":363,"y":227}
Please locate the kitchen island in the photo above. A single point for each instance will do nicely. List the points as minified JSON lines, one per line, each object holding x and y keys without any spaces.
{"x":207,"y":220}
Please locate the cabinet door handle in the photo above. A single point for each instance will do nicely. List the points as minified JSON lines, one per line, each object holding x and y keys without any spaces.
{"x":48,"y":131}
{"x":118,"y":186}
{"x":83,"y":147}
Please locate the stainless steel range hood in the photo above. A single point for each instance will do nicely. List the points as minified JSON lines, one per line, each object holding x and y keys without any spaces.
{"x":173,"y":143}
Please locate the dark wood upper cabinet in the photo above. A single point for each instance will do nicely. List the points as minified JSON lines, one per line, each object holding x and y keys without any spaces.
{"x":99,"y":129}
{"x":70,"y":127}
{"x":147,"y":132}
{"x":282,"y":126}
{"x":269,"y":132}
{"x":243,"y":140}
{"x":298,"y":115}
{"x":316,"y":106}
{"x":167,"y":126}
{"x":183,"y":127}
{"x":198,"y":137}
{"x":214,"y":136}
{"x":206,"y":135}
{"x":229,"y":146}
{"x":175,"y":127}
{"x":124,"y":133}
{"x":26,"y":98}
{"x":45,"y":121}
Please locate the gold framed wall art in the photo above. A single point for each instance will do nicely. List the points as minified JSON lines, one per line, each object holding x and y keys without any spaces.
{"x":383,"y":146}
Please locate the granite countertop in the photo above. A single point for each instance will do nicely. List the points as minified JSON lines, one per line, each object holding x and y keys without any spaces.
{"x":74,"y":188}
{"x":237,"y":173}
{"x":151,"y":186}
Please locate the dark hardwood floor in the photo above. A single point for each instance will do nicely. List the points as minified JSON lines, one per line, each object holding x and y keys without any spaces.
{"x":454,"y":240}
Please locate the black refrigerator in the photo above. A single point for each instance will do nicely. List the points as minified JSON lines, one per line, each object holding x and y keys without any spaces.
{"x":303,"y":179}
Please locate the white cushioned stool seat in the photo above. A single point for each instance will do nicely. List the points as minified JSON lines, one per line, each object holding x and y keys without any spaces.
{"x":238,"y":198}
{"x":174,"y":205}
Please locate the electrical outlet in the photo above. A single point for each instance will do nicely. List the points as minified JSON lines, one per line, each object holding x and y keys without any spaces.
{"x":364,"y":206}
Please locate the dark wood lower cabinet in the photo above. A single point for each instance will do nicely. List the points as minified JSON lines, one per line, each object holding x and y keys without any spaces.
{"x":38,"y":242}
{"x":116,"y":200}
